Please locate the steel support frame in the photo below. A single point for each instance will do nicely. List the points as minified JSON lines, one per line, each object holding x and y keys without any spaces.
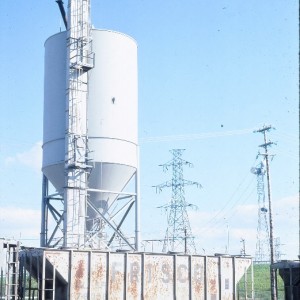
{"x":133,"y":202}
{"x":52,"y":237}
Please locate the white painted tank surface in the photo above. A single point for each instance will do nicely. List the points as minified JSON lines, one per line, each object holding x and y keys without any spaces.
{"x":112,"y":113}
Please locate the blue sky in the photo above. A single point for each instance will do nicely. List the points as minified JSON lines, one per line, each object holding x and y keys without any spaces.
{"x":210,"y":72}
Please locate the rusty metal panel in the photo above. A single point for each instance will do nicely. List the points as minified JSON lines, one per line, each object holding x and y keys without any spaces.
{"x":79,"y":275}
{"x":134,"y":276}
{"x":227,"y":284}
{"x":241,"y":266}
{"x":96,"y":275}
{"x":198,"y":279}
{"x":116,"y":276}
{"x":212,"y":275}
{"x":60,"y":260}
{"x":98,"y":278}
{"x":182,"y":277}
{"x":158,"y":277}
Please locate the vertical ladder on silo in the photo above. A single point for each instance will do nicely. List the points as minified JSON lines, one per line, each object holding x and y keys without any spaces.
{"x":12,"y":271}
{"x":81,"y":60}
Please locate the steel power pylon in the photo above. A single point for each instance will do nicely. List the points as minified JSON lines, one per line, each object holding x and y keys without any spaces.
{"x":178,"y":235}
{"x":262,"y":253}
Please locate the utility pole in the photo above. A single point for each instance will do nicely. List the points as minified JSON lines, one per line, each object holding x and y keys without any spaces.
{"x":243,"y":250}
{"x":178,"y":235}
{"x":265,"y":146}
{"x":227,"y":247}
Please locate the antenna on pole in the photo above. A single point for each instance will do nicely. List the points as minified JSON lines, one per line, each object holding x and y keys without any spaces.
{"x":262,"y":253}
{"x":266,"y":154}
{"x":243,"y":249}
{"x":178,"y":235}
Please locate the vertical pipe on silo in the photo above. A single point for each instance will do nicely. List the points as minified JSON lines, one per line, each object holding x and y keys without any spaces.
{"x":43,"y":234}
{"x":137,"y":204}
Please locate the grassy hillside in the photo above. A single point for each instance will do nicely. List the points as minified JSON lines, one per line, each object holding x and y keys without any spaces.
{"x":262,"y":282}
{"x":262,"y":286}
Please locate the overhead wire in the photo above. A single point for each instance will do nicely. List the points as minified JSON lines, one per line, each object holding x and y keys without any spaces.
{"x":229,"y":214}
{"x":235,"y":192}
{"x":196,"y":136}
{"x":287,"y":144}
{"x":226,"y":212}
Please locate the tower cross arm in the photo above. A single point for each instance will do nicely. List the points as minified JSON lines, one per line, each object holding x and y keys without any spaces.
{"x":171,"y":163}
{"x":264,"y":128}
{"x":189,"y":182}
{"x":267,"y":144}
{"x":166,"y":165}
{"x":185,"y":162}
{"x":159,"y":187}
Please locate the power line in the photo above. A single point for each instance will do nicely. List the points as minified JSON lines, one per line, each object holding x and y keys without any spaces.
{"x":230,"y":206}
{"x":196,"y":136}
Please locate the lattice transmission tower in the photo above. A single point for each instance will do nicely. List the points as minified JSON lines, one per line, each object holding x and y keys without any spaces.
{"x":178,"y":235}
{"x":262,"y":253}
{"x":266,"y":156}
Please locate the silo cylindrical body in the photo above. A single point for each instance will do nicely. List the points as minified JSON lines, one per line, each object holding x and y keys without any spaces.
{"x":111,"y":113}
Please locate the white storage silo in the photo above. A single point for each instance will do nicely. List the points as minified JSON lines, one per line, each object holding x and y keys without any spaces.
{"x":111,"y":115}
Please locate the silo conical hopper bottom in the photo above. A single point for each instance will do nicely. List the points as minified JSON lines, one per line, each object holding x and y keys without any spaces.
{"x":110,"y":180}
{"x":55,"y":174}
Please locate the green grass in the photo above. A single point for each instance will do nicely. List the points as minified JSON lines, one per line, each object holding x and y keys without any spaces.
{"x":262,"y":284}
{"x":262,"y":278}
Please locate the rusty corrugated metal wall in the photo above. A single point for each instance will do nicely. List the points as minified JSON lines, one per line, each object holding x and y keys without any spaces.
{"x":95,"y":275}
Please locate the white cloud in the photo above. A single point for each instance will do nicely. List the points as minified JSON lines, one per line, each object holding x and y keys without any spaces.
{"x":31,"y":158}
{"x":283,"y":203}
{"x":19,"y":223}
{"x":246,"y":210}
{"x":286,"y":225}
{"x":211,"y":228}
